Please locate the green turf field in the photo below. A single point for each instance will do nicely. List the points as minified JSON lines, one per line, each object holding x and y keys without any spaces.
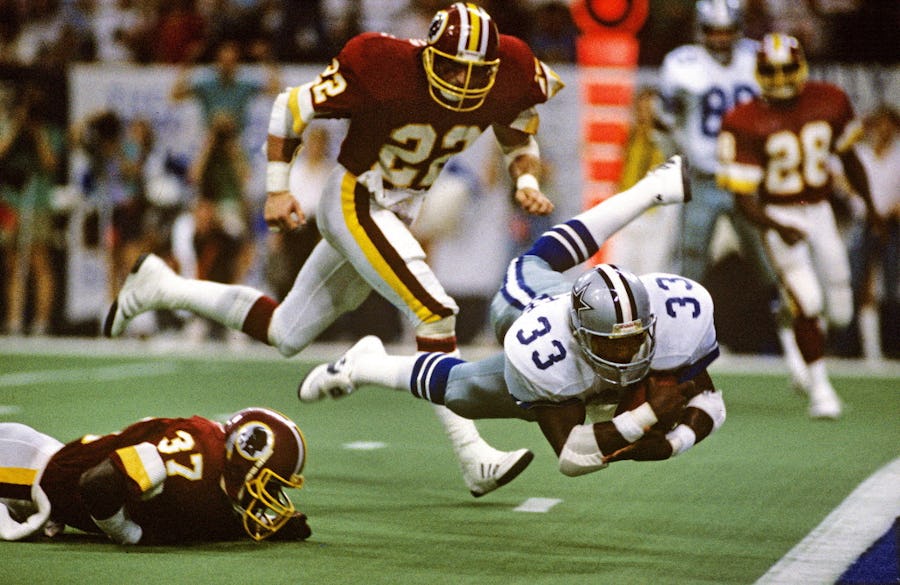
{"x":723,"y":513}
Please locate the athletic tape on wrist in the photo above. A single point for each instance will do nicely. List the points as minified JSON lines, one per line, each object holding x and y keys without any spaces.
{"x":681,"y":438}
{"x":277,"y":176}
{"x":527,"y":181}
{"x":628,"y":427}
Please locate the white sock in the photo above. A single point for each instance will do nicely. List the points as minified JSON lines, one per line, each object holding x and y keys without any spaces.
{"x":870,"y":332}
{"x":227,"y":304}
{"x":818,"y":375}
{"x":792,"y":356}
{"x":462,"y":432}
{"x":612,"y":214}
{"x":391,"y":371}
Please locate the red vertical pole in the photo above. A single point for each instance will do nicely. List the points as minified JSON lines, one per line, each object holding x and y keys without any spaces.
{"x":607,"y":57}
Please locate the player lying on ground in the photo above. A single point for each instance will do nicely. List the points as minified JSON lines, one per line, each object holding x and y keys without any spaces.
{"x":631,"y":352}
{"x":160,"y":480}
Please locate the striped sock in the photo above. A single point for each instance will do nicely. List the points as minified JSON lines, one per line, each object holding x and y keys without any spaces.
{"x":565,"y":245}
{"x":429,"y":376}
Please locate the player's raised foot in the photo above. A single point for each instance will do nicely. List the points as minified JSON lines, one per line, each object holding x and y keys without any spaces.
{"x":334,"y":378}
{"x":669,"y":181}
{"x":485,"y":468}
{"x":143,"y":290}
{"x":824,"y":402}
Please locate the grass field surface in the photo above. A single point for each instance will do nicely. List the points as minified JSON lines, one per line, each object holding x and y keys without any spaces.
{"x":387,"y":504}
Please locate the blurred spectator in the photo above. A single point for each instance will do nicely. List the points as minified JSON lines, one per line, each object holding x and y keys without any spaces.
{"x":31,"y":148}
{"x":113,"y":181}
{"x":301,"y":33}
{"x":222,"y":90}
{"x":513,"y":17}
{"x":42,"y":21}
{"x":222,"y":240}
{"x":116,"y":27}
{"x":875,"y":253}
{"x":553,"y":40}
{"x":10,"y":27}
{"x":411,"y":21}
{"x":179,"y":33}
{"x":669,"y":25}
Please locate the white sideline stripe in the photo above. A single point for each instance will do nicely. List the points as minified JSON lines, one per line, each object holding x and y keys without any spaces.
{"x":830,"y":549}
{"x":103,"y":374}
{"x":539,"y":505}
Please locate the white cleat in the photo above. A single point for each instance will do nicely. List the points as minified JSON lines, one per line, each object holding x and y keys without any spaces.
{"x":142,"y":291}
{"x":669,"y":181}
{"x":486,"y":469}
{"x":824,"y":402}
{"x":334,"y":378}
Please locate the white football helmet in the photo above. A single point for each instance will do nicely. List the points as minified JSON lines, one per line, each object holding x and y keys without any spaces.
{"x":460,"y":57}
{"x":264,"y":453}
{"x":613,"y":323}
{"x":719,"y":24}
{"x":781,"y":68}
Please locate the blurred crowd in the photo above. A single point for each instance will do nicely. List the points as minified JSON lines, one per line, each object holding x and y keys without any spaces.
{"x":56,"y":32}
{"x":203,"y":214}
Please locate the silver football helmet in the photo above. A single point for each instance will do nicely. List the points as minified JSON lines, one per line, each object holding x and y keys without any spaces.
{"x":613,"y":323}
{"x":719,"y":25}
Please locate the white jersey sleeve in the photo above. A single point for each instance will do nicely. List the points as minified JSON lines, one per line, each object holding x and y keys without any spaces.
{"x":698,"y":90}
{"x":685,"y":328}
{"x":543,"y":359}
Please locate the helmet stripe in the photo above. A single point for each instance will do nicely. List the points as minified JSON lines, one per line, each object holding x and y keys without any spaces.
{"x":475,"y":28}
{"x":622,"y":296}
{"x":464,"y":26}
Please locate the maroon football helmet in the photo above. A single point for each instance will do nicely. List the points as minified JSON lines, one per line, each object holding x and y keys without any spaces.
{"x":781,"y":67}
{"x":264,"y":453}
{"x":461,"y":56}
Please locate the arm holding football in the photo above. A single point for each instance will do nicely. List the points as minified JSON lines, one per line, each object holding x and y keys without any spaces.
{"x":703,"y":415}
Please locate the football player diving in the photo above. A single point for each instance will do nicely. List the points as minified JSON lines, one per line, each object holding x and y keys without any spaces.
{"x":629,"y":352}
{"x":158,"y":481}
{"x":411,"y":105}
{"x":774,"y":153}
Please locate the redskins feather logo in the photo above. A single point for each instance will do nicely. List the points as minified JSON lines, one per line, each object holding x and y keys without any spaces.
{"x":438,"y":24}
{"x":254,"y":441}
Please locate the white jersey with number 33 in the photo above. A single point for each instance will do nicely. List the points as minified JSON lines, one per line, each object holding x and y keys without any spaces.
{"x":544,"y":362}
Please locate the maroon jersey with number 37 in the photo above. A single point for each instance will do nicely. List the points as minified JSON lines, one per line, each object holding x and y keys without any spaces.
{"x":185,"y":503}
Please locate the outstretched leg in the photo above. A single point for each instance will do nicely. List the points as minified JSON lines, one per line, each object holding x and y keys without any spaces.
{"x":568,"y":244}
{"x":425,"y":375}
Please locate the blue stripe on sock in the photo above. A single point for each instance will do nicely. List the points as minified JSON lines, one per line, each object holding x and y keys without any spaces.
{"x":559,"y":257}
{"x":517,"y":301}
{"x":430,"y":374}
